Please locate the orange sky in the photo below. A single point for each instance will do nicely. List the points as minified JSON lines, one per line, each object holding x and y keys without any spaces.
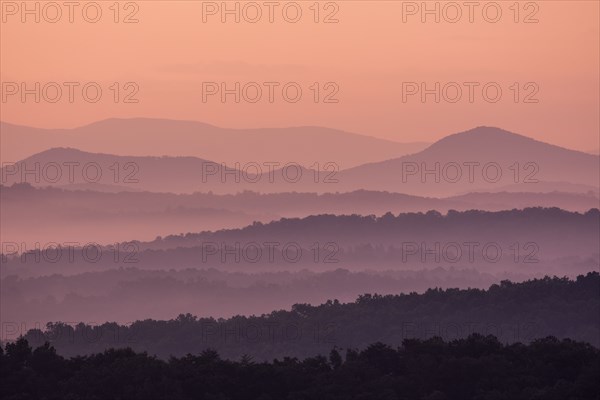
{"x":369,"y":53}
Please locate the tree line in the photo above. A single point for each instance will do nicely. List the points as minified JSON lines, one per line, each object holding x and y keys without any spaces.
{"x":477,"y":367}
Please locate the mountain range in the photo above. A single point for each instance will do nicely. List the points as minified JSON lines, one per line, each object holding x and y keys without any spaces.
{"x":482,"y":159}
{"x":305,"y":145}
{"x":105,"y":216}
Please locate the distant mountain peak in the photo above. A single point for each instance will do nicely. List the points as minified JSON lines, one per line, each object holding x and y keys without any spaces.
{"x":488,"y":138}
{"x":141,"y":123}
{"x":486,"y":132}
{"x":63,"y":151}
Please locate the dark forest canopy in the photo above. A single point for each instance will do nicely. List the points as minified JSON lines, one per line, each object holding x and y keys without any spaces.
{"x":513,"y":312}
{"x":478,"y":367}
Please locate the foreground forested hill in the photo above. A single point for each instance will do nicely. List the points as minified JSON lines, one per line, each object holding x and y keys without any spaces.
{"x":478,"y":367}
{"x":513,"y":312}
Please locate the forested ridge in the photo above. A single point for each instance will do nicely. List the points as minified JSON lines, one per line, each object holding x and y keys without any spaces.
{"x":513,"y":312}
{"x":478,"y":367}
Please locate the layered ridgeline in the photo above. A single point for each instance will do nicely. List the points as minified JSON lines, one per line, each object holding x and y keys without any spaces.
{"x":482,"y":159}
{"x":106,"y":214}
{"x":128,"y":294}
{"x":513,"y":312}
{"x":533,"y":241}
{"x":143,"y":136}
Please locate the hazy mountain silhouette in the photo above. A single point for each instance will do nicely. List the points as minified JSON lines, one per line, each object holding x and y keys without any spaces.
{"x":109,"y":216}
{"x":546,"y":187}
{"x":535,"y":240}
{"x":497,"y":201}
{"x":38,"y":215}
{"x":158,"y":174}
{"x":537,"y":161}
{"x":72,"y":168}
{"x":157,"y":137}
{"x":482,"y":159}
{"x":128,"y":294}
{"x":97,"y":187}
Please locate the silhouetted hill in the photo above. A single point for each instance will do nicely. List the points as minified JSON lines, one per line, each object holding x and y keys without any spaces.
{"x":109,"y":216}
{"x":68,"y":166}
{"x":144,"y":136}
{"x":478,"y":367}
{"x":476,"y":160}
{"x":127,"y":294}
{"x":482,"y":159}
{"x":514,"y":312}
{"x":159,"y":174}
{"x":546,"y":240}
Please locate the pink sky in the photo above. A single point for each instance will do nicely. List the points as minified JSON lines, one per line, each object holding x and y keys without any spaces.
{"x":170,"y":52}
